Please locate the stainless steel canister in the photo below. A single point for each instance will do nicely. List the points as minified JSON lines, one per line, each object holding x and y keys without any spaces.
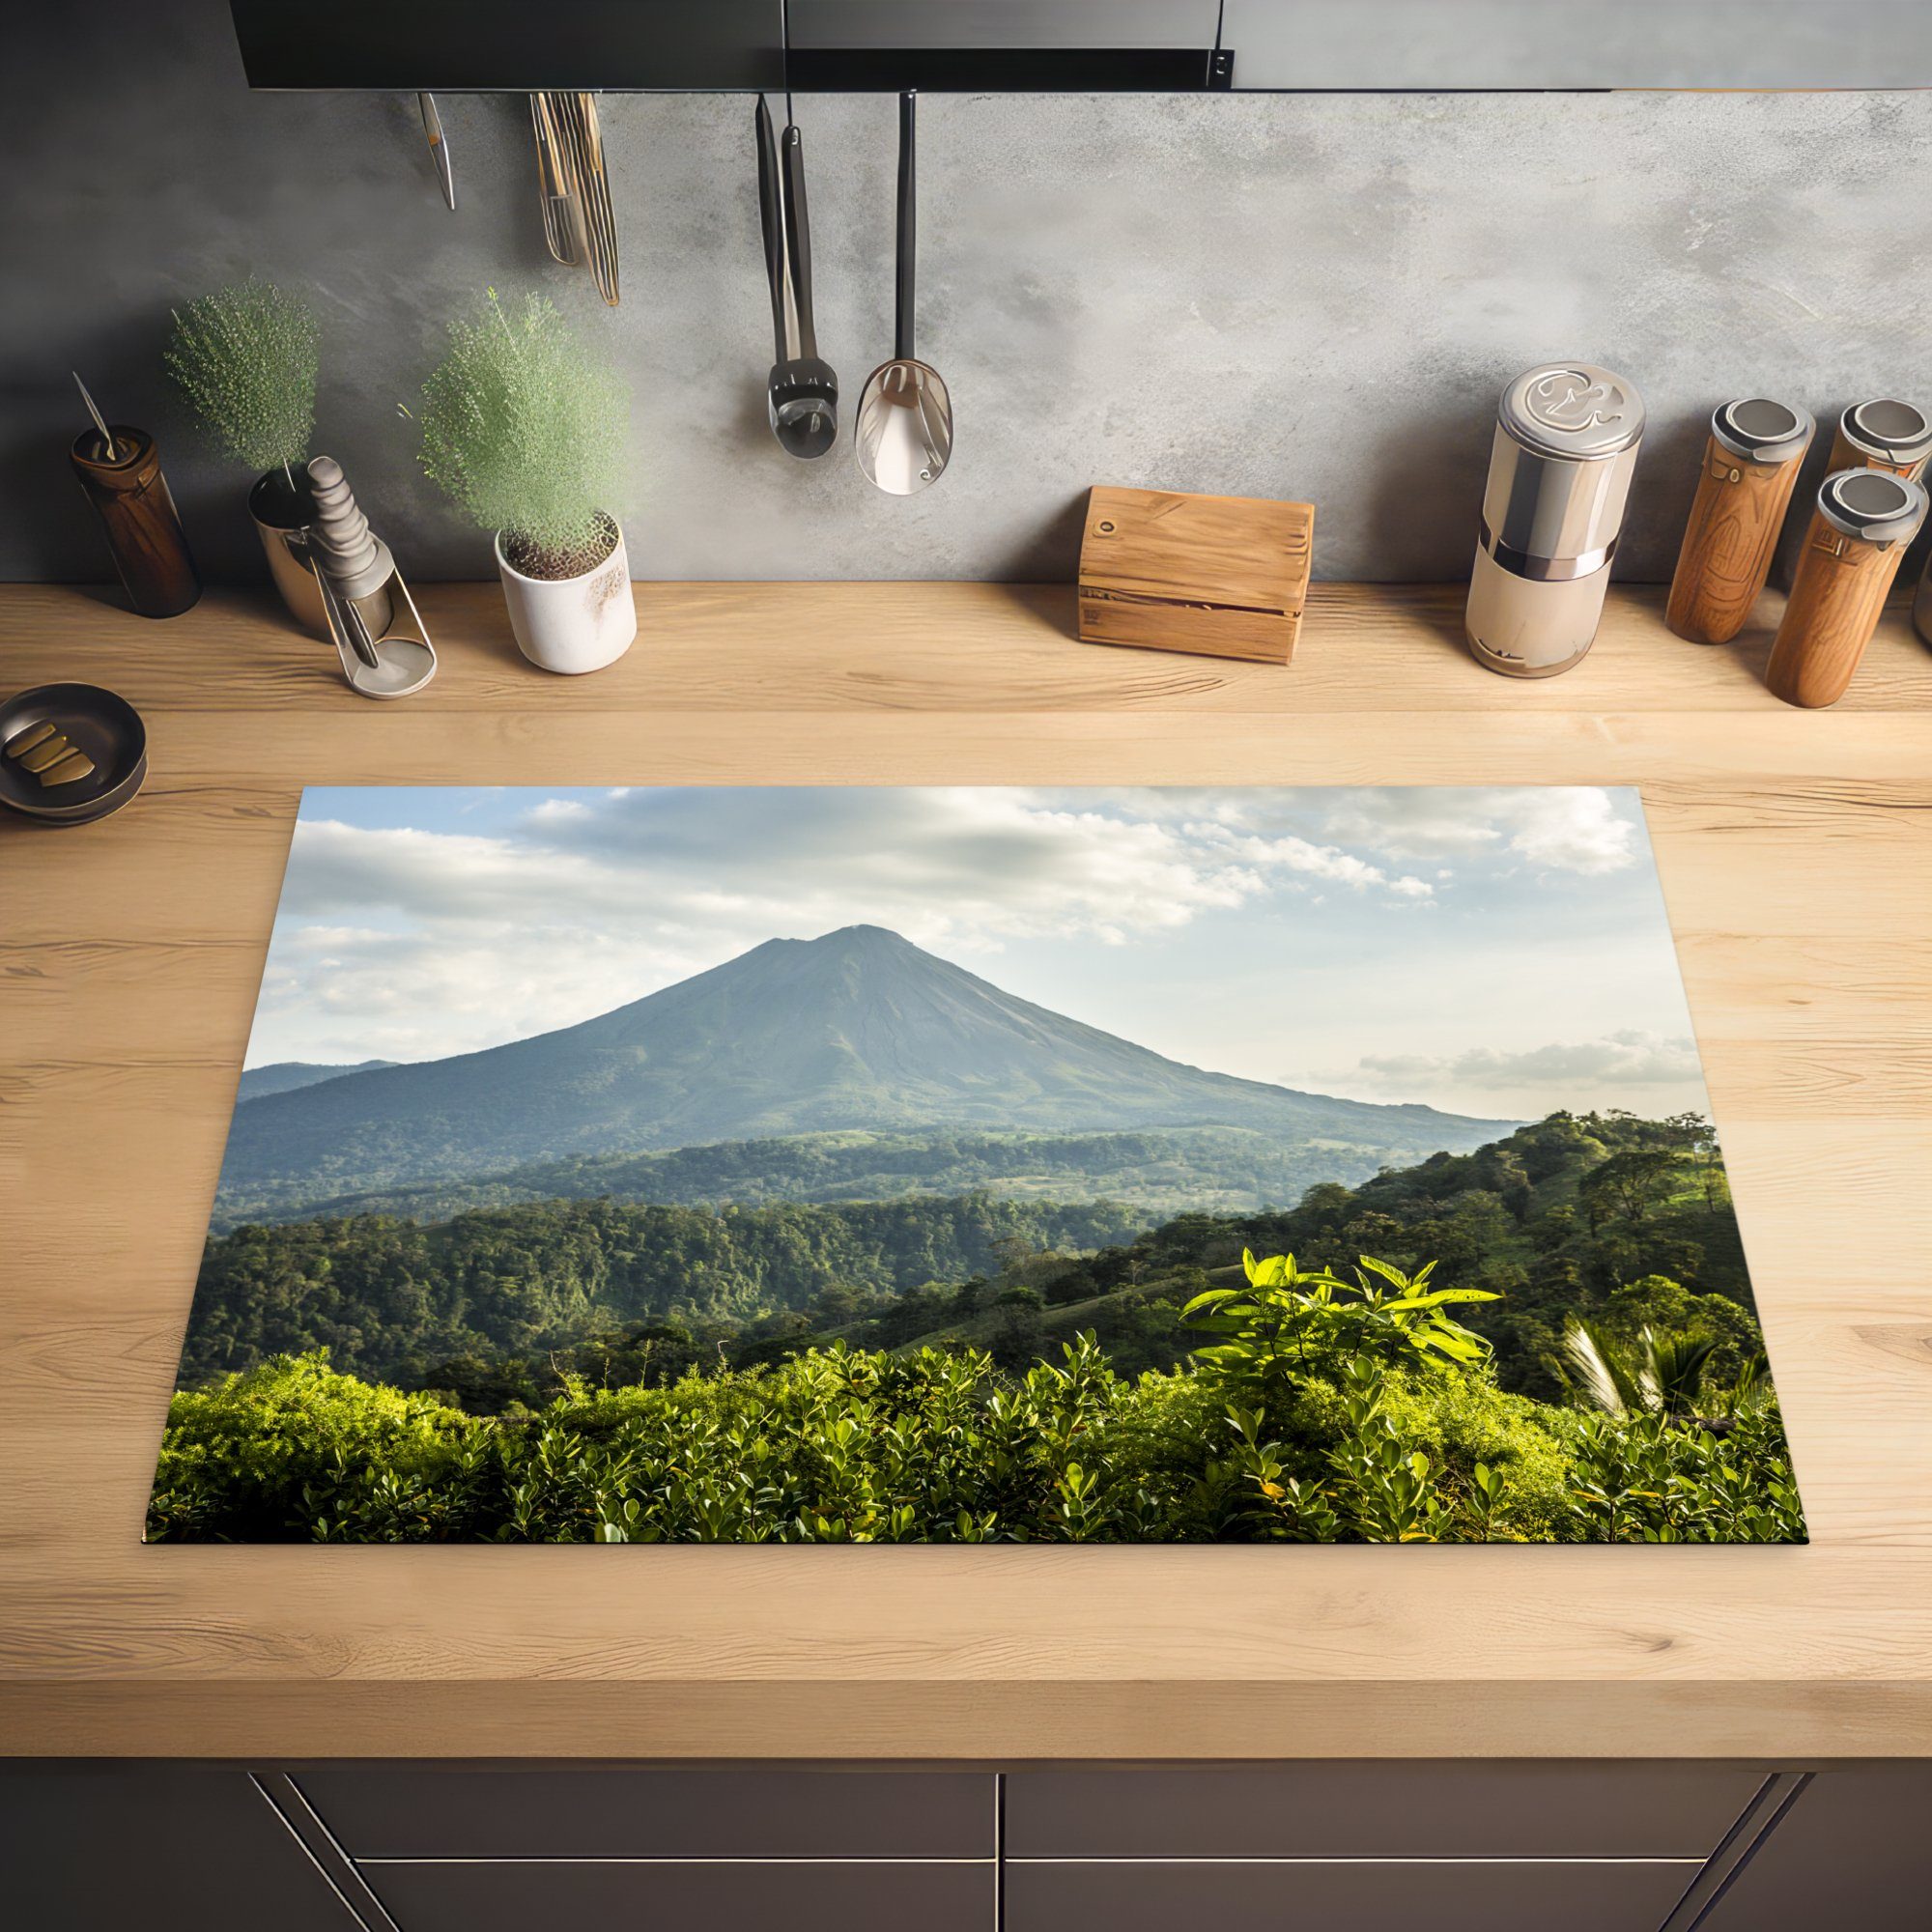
{"x":1567,"y":439}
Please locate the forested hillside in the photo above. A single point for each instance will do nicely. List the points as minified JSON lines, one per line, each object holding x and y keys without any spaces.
{"x":1481,"y":1347}
{"x":389,"y":1297}
{"x":1576,"y":1216}
{"x":1158,"y":1171}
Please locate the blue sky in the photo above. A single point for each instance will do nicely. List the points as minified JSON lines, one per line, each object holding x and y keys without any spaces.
{"x":1495,"y":950}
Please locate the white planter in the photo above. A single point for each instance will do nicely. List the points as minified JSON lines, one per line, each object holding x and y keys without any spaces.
{"x":572,"y":624}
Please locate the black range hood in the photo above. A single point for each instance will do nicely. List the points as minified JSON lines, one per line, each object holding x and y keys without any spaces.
{"x":1078,"y":46}
{"x":823,"y":46}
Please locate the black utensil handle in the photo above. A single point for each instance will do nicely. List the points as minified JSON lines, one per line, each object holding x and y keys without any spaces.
{"x":902,"y":332}
{"x":798,"y":240}
{"x":770,"y":198}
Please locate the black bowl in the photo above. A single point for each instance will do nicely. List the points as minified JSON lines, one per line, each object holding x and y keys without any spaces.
{"x":106,"y":727}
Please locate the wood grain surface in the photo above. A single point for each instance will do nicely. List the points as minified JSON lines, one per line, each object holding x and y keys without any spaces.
{"x":1835,"y":602}
{"x":1223,"y":575}
{"x":1796,"y":852}
{"x":1733,"y":529}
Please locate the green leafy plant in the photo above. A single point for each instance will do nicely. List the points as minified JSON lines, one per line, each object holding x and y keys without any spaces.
{"x":1663,"y":1374}
{"x":524,"y":429}
{"x":1290,"y":1322}
{"x":245,"y":359}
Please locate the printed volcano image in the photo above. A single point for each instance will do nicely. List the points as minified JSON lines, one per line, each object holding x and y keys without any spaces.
{"x":633,"y":1165}
{"x":859,"y":1029}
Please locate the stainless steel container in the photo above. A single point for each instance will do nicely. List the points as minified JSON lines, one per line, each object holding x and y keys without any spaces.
{"x":1566,"y":441}
{"x":284,"y":513}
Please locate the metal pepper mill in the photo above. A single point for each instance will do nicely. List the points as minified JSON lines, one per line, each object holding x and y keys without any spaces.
{"x":372,"y":618}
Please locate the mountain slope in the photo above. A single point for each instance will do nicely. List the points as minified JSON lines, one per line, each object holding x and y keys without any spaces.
{"x":1160,"y":1172}
{"x":859,"y":1029}
{"x":284,"y":1076}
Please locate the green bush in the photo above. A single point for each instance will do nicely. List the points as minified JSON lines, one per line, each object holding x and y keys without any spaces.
{"x":855,"y":1446}
{"x":245,"y":359}
{"x":524,"y":428}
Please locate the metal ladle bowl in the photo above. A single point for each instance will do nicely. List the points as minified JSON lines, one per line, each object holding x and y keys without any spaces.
{"x":903,"y":433}
{"x":904,"y":429}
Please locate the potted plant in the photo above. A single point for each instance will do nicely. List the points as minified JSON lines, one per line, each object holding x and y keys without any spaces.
{"x":245,"y":357}
{"x":524,"y":427}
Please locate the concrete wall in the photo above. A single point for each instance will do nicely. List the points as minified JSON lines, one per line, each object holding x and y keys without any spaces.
{"x":1268,"y":295}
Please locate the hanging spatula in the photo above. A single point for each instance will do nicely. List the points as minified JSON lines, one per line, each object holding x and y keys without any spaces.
{"x":562,"y":216}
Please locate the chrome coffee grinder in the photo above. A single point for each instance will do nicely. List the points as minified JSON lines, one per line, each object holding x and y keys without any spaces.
{"x":1566,"y":443}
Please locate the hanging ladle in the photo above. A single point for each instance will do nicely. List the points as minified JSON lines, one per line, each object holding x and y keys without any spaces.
{"x":903,"y":435}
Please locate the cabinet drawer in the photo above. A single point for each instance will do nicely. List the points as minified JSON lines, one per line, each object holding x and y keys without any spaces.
{"x":1852,"y":1850}
{"x":103,"y":1847}
{"x":661,"y":1897}
{"x":1520,"y":1895}
{"x":1394,"y":1809}
{"x":463,"y":1811}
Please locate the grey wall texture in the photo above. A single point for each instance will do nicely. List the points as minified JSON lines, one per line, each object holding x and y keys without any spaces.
{"x":1305,"y":295}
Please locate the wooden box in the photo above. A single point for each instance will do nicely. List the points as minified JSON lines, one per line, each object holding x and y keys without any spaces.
{"x":1225,"y":576}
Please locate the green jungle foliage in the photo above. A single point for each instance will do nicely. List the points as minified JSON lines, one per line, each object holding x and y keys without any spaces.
{"x":980,"y":1368}
{"x":1619,"y":1221}
{"x":1328,"y":1411}
{"x":1158,"y":1171}
{"x":391,"y":1297}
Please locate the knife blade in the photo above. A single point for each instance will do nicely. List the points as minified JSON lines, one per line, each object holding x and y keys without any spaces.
{"x":439,"y":148}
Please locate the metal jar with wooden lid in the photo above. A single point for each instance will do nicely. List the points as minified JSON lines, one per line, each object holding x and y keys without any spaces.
{"x":1566,"y":443}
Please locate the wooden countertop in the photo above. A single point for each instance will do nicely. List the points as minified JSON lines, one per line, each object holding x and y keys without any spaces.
{"x":1796,"y":852}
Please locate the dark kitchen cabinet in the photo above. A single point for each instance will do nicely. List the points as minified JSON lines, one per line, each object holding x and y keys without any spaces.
{"x":1288,"y":1895}
{"x":1854,"y":1851}
{"x":1373,"y":1847}
{"x":824,"y":1896}
{"x":1365,"y":1809}
{"x":153,"y":1848}
{"x":622,"y":1811}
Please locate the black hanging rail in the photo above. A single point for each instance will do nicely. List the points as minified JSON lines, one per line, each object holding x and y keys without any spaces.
{"x":836,"y":47}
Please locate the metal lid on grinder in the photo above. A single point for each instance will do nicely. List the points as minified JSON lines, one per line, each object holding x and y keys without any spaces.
{"x":1872,"y":505}
{"x":1888,"y":431}
{"x":1762,"y":431}
{"x":1572,"y":410}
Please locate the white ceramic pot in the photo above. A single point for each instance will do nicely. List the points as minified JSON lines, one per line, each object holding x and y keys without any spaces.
{"x":572,"y":624}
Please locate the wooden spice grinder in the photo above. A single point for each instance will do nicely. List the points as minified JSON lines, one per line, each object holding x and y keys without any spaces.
{"x":1751,"y":469}
{"x":122,"y":478}
{"x":1859,"y":531}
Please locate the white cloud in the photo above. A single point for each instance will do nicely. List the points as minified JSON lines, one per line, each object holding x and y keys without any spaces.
{"x":1627,"y":1058}
{"x":420,"y":943}
{"x":1555,"y":828}
{"x":1649,"y":1073}
{"x":407,"y":943}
